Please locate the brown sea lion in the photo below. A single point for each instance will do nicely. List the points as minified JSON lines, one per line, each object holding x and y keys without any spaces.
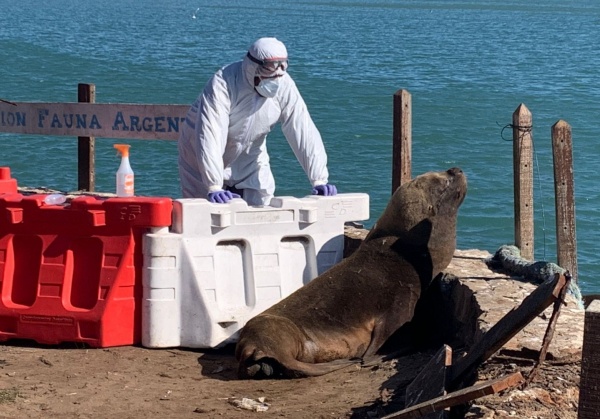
{"x":349,"y":311}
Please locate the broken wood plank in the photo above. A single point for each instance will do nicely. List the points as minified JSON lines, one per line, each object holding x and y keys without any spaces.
{"x":458,"y":397}
{"x":511,"y":324}
{"x":549,"y":330}
{"x":431,"y":381}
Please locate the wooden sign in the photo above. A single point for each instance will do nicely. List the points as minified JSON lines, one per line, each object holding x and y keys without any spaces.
{"x":149,"y":122}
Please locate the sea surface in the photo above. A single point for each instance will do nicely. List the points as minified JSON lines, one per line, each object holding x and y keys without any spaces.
{"x":467,"y":65}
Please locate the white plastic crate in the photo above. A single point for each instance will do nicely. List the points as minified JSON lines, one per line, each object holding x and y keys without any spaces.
{"x":221,"y":264}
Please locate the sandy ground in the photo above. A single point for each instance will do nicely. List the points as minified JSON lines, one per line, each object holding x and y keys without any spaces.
{"x":135,"y":382}
{"x":72,"y":381}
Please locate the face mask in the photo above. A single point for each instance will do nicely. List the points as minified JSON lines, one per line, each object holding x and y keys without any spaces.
{"x":268,"y":87}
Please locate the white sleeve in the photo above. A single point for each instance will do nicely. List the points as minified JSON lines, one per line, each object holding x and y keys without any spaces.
{"x":212,"y":124}
{"x":302,"y":134}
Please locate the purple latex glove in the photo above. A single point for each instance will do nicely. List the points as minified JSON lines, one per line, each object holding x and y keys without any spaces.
{"x":326,"y":190}
{"x":222,"y":197}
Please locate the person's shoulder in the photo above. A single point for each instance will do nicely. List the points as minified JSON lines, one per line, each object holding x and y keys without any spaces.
{"x":288,"y":86}
{"x":232,"y":68}
{"x":225,"y":74}
{"x":286,"y":82}
{"x":288,"y":78}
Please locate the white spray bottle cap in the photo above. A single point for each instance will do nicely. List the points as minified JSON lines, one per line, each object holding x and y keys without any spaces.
{"x":123,"y":149}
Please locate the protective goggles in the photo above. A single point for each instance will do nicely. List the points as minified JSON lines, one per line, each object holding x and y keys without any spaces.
{"x":270,"y":65}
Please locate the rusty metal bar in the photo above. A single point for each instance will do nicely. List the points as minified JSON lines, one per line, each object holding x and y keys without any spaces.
{"x":549,"y":331}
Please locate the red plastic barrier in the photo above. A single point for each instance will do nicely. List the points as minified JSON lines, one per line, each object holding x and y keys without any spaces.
{"x":7,"y":184}
{"x":73,"y":273}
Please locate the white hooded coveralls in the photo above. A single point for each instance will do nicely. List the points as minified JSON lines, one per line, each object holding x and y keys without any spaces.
{"x":223,"y":139}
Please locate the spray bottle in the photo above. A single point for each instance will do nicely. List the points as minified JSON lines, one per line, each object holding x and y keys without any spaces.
{"x":124,"y":174}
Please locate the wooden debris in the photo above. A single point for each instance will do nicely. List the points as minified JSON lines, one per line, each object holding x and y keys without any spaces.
{"x":512,"y":323}
{"x":459,"y":397}
{"x":589,"y":396}
{"x":549,"y":330}
{"x":431,"y":382}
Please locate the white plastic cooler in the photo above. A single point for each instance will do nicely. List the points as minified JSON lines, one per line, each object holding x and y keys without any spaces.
{"x":221,"y":264}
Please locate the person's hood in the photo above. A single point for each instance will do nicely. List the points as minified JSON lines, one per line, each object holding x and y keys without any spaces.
{"x":263,"y":49}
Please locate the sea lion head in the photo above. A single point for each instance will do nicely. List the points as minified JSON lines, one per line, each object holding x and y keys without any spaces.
{"x":423,"y":213}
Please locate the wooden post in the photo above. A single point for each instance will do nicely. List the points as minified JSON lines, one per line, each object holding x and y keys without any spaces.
{"x":562,"y":152}
{"x":589,"y":397}
{"x":523,"y":180}
{"x":86,"y":166}
{"x":402,"y":138}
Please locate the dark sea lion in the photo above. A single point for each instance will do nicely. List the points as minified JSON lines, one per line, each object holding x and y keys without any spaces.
{"x":349,"y":311}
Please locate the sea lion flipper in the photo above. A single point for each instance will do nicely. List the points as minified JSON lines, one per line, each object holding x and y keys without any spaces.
{"x":296,"y":369}
{"x":291,"y":368}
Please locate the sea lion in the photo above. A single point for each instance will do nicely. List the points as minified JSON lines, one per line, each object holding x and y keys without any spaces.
{"x":349,"y":311}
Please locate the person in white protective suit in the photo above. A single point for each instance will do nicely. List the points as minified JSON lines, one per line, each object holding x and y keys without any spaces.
{"x":222,"y":146}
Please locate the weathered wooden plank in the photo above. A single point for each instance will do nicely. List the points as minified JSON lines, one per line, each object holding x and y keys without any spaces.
{"x":549,"y":330}
{"x":589,"y":396}
{"x":512,"y":323}
{"x":431,"y":382}
{"x":402,"y":139}
{"x":562,"y":152}
{"x":458,"y":397}
{"x":100,"y":120}
{"x":523,"y":180}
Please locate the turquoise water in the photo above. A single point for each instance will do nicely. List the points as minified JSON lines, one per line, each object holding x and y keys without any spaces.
{"x":467,"y":64}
